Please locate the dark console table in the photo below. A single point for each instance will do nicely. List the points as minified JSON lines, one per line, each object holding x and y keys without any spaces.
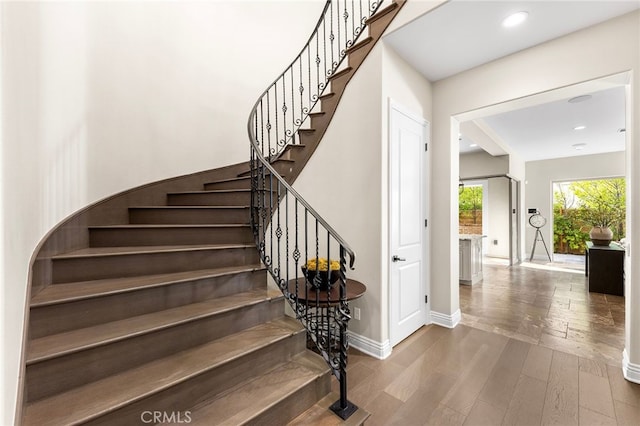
{"x":604,"y":267}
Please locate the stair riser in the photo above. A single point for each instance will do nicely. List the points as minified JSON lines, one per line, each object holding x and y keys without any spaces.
{"x":357,"y":57}
{"x":60,"y":374}
{"x":309,"y":139}
{"x":119,"y":237}
{"x":181,"y":398}
{"x":377,"y":27}
{"x":338,"y":84}
{"x":320,"y":121}
{"x":329,"y":105}
{"x":233,"y":184}
{"x":296,"y":404}
{"x":131,"y":265}
{"x":242,"y":198}
{"x":53,"y":319}
{"x":283,"y":168}
{"x":291,"y":152}
{"x":172,"y":216}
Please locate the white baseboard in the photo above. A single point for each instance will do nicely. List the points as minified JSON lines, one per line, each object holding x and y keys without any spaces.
{"x":630,"y":371}
{"x":444,"y":320}
{"x":380,"y":350}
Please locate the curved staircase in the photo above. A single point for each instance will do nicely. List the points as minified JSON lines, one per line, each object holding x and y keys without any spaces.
{"x":153,"y":306}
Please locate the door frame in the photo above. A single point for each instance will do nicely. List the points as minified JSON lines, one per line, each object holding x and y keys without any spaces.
{"x":515,"y":240}
{"x":426,"y":210}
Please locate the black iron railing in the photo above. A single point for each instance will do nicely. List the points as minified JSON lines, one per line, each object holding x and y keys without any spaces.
{"x":288,"y":231}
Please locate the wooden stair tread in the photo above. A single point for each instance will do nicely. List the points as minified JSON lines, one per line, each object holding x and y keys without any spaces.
{"x":382,"y":12}
{"x":212,"y":191}
{"x":73,"y":341}
{"x":320,"y":414}
{"x":173,"y":226}
{"x":360,"y":44}
{"x":97,"y":398}
{"x":254,"y":397}
{"x":69,"y":292}
{"x":233,"y":179}
{"x":121,"y":251}
{"x":191,"y":207}
{"x":340,"y":73}
{"x":326,"y":96}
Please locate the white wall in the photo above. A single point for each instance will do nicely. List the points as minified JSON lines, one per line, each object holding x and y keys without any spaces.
{"x":355,"y":147}
{"x":480,"y":164}
{"x":614,"y":47}
{"x":99,"y":97}
{"x":542,"y":174}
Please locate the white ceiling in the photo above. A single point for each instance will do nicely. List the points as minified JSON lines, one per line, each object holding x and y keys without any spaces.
{"x":462,"y":34}
{"x":547,"y":131}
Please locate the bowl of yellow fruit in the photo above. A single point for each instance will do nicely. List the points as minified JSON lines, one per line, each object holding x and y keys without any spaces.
{"x":321,"y":273}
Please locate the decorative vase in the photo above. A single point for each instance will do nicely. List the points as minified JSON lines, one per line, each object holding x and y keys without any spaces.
{"x":601,"y":235}
{"x":324,"y":279}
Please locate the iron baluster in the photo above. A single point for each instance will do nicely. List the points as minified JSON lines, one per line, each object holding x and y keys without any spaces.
{"x":301,"y":89}
{"x":306,"y":256}
{"x":268,"y":126}
{"x":324,"y":47}
{"x":275,"y":116}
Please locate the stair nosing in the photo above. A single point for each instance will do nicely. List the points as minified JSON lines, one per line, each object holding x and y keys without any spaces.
{"x":259,"y":296}
{"x":191,"y":207}
{"x":381,"y":13}
{"x":149,"y":250}
{"x":360,"y":44}
{"x":340,"y":73}
{"x":233,"y":179}
{"x":326,"y":96}
{"x":176,"y":381}
{"x":211,"y":191}
{"x":163,"y":280}
{"x":172,"y":226}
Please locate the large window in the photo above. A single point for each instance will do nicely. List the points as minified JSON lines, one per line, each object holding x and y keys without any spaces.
{"x":578,"y":206}
{"x":470,"y":210}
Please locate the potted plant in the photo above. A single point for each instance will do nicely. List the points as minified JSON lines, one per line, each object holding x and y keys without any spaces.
{"x":602,"y":205}
{"x":601,"y":217}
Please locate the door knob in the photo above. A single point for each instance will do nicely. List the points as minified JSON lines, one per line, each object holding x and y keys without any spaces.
{"x":395,"y":258}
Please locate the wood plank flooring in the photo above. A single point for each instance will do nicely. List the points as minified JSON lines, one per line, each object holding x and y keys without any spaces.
{"x":547,"y":307}
{"x":534,"y":349}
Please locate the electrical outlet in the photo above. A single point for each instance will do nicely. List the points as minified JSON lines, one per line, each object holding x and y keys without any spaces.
{"x":356,"y":313}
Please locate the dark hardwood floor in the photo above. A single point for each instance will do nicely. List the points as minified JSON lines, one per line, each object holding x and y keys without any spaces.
{"x":534,"y":348}
{"x":547,"y":306}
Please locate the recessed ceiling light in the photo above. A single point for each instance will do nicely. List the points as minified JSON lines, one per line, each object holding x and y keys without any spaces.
{"x":515,"y":19}
{"x":578,"y":99}
{"x":579,"y":146}
{"x":473,"y":145}
{"x":579,"y":127}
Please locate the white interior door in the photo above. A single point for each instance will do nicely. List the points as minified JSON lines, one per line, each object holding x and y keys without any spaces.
{"x":407,"y":215}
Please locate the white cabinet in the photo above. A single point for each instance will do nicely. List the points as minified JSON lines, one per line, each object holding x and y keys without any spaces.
{"x":470,"y":259}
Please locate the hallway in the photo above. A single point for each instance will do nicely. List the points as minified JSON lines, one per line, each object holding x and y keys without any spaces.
{"x":534,"y":348}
